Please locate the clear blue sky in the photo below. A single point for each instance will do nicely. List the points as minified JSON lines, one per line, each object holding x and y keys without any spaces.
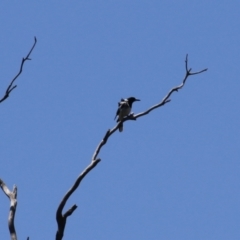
{"x":173,"y":174}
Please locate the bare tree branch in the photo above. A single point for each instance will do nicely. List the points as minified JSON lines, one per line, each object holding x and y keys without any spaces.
{"x":166,"y":99}
{"x":135,"y":116}
{"x":13,"y":206}
{"x":61,"y":218}
{"x":11,"y":87}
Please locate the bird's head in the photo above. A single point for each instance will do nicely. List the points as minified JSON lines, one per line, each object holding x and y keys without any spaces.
{"x":132,"y":99}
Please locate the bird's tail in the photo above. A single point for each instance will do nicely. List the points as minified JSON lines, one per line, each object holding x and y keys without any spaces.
{"x":120,"y":127}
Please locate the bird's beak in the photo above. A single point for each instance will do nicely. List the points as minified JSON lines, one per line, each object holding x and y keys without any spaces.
{"x":137,"y":100}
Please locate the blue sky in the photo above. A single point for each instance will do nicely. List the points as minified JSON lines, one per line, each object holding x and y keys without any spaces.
{"x":173,"y":174}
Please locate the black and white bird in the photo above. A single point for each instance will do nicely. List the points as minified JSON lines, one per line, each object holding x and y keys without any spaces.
{"x":124,"y":109}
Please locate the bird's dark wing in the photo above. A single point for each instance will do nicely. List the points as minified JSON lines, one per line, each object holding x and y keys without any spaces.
{"x":117,"y":113}
{"x":121,"y":106}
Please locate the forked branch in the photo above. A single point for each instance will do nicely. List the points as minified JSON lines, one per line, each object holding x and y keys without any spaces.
{"x":167,"y":98}
{"x":11,"y":85}
{"x":13,"y":205}
{"x":61,"y":218}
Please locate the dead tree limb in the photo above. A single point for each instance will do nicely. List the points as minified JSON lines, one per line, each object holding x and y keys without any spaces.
{"x":61,"y":218}
{"x":11,"y":87}
{"x":175,"y":89}
{"x":13,"y":206}
{"x":165,"y":100}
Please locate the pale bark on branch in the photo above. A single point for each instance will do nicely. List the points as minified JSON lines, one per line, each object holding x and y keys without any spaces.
{"x":61,"y":218}
{"x":10,"y":86}
{"x":13,"y":206}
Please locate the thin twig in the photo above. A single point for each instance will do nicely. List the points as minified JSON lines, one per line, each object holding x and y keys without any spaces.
{"x":13,"y":206}
{"x":11,"y":87}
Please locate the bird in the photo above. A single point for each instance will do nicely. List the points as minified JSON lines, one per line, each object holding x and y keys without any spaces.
{"x":124,"y":109}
